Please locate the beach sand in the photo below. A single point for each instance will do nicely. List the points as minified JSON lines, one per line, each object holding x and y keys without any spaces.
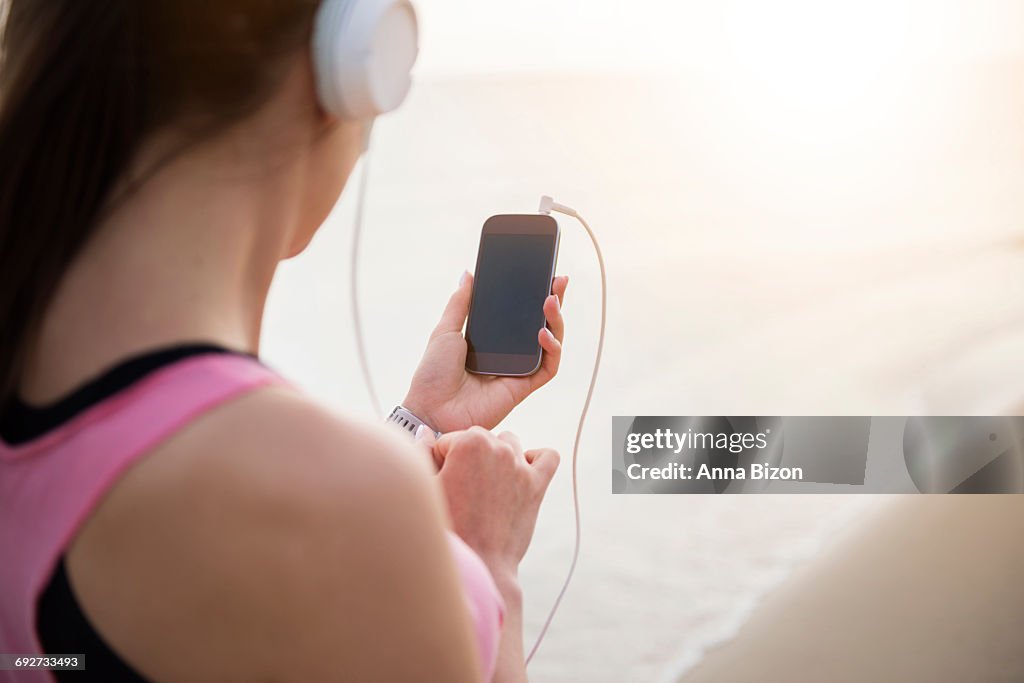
{"x":931,"y":592}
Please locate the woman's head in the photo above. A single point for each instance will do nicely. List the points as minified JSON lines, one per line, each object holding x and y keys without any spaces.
{"x":85,"y":89}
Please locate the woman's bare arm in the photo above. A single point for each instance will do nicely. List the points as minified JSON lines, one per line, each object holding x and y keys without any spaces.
{"x":272,"y":541}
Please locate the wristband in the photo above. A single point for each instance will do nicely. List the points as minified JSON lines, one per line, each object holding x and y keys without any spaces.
{"x":405,"y":419}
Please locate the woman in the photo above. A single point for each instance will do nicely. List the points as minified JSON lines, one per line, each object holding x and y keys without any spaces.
{"x":170,"y":507}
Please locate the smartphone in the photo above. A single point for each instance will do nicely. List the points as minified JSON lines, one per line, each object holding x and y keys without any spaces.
{"x":514,"y":269}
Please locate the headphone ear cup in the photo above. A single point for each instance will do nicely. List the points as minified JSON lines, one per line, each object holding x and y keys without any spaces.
{"x":363,"y":54}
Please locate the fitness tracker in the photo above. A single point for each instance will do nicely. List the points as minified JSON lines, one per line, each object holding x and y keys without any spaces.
{"x":409,"y":422}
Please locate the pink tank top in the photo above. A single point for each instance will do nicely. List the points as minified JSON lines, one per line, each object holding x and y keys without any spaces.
{"x":50,"y":486}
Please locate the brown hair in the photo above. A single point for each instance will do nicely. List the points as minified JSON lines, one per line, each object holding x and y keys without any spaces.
{"x":83,"y":83}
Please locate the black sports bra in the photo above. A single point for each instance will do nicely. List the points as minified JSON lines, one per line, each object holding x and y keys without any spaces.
{"x":61,"y":625}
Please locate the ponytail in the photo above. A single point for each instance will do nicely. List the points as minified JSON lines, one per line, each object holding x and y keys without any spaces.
{"x":69,"y":123}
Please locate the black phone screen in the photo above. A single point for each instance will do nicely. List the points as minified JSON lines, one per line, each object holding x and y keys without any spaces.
{"x":513,"y":278}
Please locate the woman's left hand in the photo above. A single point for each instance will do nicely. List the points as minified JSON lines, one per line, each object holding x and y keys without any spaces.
{"x":448,"y":397}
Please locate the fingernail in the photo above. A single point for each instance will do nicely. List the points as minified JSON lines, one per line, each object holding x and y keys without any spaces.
{"x":463,"y":278}
{"x":420,"y":430}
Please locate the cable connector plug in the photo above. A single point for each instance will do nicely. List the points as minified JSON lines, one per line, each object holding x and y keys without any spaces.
{"x":547,"y":205}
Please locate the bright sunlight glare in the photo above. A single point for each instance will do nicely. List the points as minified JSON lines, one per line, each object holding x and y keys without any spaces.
{"x":801,"y":61}
{"x":793,"y":105}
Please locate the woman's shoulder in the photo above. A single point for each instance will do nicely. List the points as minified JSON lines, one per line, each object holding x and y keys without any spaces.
{"x":268,"y":457}
{"x":266,"y":517}
{"x":278,"y":446}
{"x":285,"y":441}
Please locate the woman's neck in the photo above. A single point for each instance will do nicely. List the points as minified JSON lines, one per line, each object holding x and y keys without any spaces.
{"x":188,"y":256}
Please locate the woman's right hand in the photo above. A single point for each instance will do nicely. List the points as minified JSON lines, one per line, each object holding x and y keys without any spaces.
{"x":494,"y":490}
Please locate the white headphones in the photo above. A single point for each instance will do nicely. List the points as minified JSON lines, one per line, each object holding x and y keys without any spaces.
{"x":363,"y":52}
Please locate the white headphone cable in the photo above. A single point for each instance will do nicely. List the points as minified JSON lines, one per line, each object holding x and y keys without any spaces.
{"x":547,"y":205}
{"x":357,"y":325}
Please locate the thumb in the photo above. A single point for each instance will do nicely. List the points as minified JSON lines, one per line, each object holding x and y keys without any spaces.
{"x":455,"y":313}
{"x":545,"y":463}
